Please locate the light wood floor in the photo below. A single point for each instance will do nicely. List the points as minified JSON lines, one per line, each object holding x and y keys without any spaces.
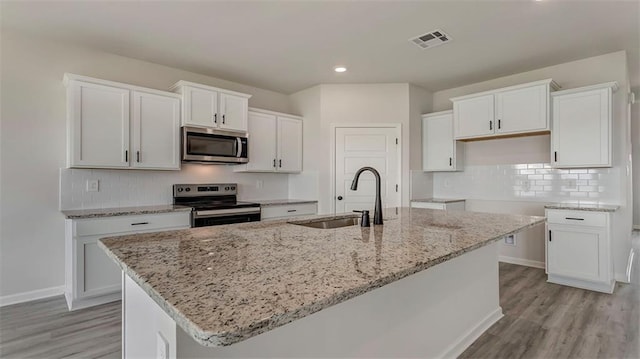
{"x":541,"y":320}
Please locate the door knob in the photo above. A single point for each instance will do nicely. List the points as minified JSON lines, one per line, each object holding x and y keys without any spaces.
{"x":339,"y":198}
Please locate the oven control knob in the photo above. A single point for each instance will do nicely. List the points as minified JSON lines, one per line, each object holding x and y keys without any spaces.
{"x":179,"y":189}
{"x":187,"y":189}
{"x":226,"y":188}
{"x":233,"y":188}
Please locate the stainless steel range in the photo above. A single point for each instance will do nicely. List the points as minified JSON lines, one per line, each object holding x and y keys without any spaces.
{"x":214,"y":204}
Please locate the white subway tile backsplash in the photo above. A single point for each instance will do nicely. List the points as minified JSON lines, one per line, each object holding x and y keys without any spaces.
{"x":531,"y":182}
{"x":123,"y":188}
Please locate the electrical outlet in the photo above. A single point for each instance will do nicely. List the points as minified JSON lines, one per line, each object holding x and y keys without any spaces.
{"x":510,"y":240}
{"x":259,"y":184}
{"x":162,"y":351}
{"x":93,"y":185}
{"x":571,"y":183}
{"x":526,"y":185}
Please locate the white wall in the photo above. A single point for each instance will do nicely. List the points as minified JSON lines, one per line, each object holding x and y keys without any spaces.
{"x":324,"y":105}
{"x":33,"y":144}
{"x":535,"y":150}
{"x":421,"y":183}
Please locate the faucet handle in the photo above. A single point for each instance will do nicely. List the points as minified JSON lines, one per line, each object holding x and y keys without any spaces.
{"x":364,"y":221}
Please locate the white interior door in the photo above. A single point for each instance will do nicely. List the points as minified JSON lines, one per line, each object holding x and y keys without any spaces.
{"x":358,"y":147}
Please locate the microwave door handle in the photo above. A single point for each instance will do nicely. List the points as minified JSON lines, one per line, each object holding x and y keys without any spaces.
{"x":238,"y":147}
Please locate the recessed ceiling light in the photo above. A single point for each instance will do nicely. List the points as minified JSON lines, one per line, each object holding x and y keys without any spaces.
{"x":339,"y":69}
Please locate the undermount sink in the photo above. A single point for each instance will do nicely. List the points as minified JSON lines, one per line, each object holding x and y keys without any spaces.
{"x":329,"y":223}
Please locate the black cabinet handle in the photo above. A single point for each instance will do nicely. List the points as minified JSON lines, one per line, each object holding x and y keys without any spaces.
{"x":274,"y":163}
{"x":137,"y":156}
{"x":215,"y":118}
{"x":555,"y":156}
{"x":491,"y":125}
{"x":574,"y":218}
{"x":223,"y":118}
{"x":139,"y":223}
{"x":499,"y":124}
{"x":280,"y":163}
{"x":126,"y":155}
{"x":549,"y":235}
{"x":339,"y":198}
{"x":292,"y":210}
{"x":450,"y":161}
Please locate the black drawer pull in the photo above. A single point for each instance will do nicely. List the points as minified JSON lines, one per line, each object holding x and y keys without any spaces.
{"x":139,"y":223}
{"x":292,"y":210}
{"x":574,"y":219}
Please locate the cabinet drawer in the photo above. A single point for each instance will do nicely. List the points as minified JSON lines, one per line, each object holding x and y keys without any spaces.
{"x":290,"y":210}
{"x":578,"y":218}
{"x":137,"y":223}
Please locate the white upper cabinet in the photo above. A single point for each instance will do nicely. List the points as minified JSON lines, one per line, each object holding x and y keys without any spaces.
{"x":440,"y":152}
{"x":101,"y":116}
{"x":155,"y":131}
{"x":200,"y":107}
{"x":522,"y":110}
{"x":581,"y":135}
{"x":474,"y":117}
{"x":289,"y":144}
{"x":504,"y":112}
{"x":212,"y":107}
{"x":98,"y":125}
{"x":275,"y":143}
{"x":262,"y":142}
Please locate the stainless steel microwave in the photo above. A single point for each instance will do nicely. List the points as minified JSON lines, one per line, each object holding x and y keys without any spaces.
{"x":208,"y":145}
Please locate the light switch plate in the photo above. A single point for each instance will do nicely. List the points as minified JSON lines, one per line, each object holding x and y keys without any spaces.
{"x":162,"y":351}
{"x":93,"y":185}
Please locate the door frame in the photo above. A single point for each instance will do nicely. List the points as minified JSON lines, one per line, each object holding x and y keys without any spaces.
{"x":332,"y":154}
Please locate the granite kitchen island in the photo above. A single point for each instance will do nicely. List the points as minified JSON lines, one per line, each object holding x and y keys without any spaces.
{"x":425,"y":284}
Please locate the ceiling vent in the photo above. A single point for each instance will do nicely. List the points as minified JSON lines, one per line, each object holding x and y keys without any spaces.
{"x":431,"y":39}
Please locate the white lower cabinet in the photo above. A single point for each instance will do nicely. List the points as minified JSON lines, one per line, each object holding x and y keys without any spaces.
{"x":445,"y":206}
{"x":91,"y":277}
{"x":578,"y":249}
{"x":288,"y":210}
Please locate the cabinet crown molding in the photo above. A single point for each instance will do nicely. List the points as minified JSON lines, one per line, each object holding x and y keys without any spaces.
{"x":182,"y":83}
{"x":613,"y":85}
{"x":275,"y":113}
{"x":68,"y":77}
{"x":552,"y":84}
{"x":439,"y":113}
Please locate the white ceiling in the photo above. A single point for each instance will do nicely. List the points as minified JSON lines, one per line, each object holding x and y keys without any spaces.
{"x":288,"y":46}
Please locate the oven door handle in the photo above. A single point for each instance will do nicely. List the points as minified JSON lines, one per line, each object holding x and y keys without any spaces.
{"x":238,"y":147}
{"x":224,"y":212}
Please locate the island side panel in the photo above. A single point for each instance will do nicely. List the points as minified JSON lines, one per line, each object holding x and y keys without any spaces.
{"x":145,"y":326}
{"x":438,"y":312}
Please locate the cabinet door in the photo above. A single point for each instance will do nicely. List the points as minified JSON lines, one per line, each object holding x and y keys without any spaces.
{"x":522,"y":110}
{"x":97,"y":274}
{"x":438,"y":143}
{"x":156,"y":127}
{"x":577,"y":252}
{"x":233,"y":112}
{"x":98,"y":126}
{"x":473,"y":117}
{"x":262,"y":142}
{"x":581,"y":133}
{"x":289,"y":141}
{"x":200,"y":107}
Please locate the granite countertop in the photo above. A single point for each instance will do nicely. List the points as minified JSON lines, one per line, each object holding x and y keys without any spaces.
{"x":594,"y":207}
{"x":281,"y":202}
{"x":438,"y":200}
{"x":224,"y":284}
{"x":122,"y":211}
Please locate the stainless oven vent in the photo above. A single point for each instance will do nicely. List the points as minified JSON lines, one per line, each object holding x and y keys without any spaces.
{"x":431,"y":39}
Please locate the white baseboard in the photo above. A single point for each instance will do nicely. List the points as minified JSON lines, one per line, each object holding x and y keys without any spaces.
{"x":474,"y":333}
{"x":522,"y":262}
{"x":32,"y":295}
